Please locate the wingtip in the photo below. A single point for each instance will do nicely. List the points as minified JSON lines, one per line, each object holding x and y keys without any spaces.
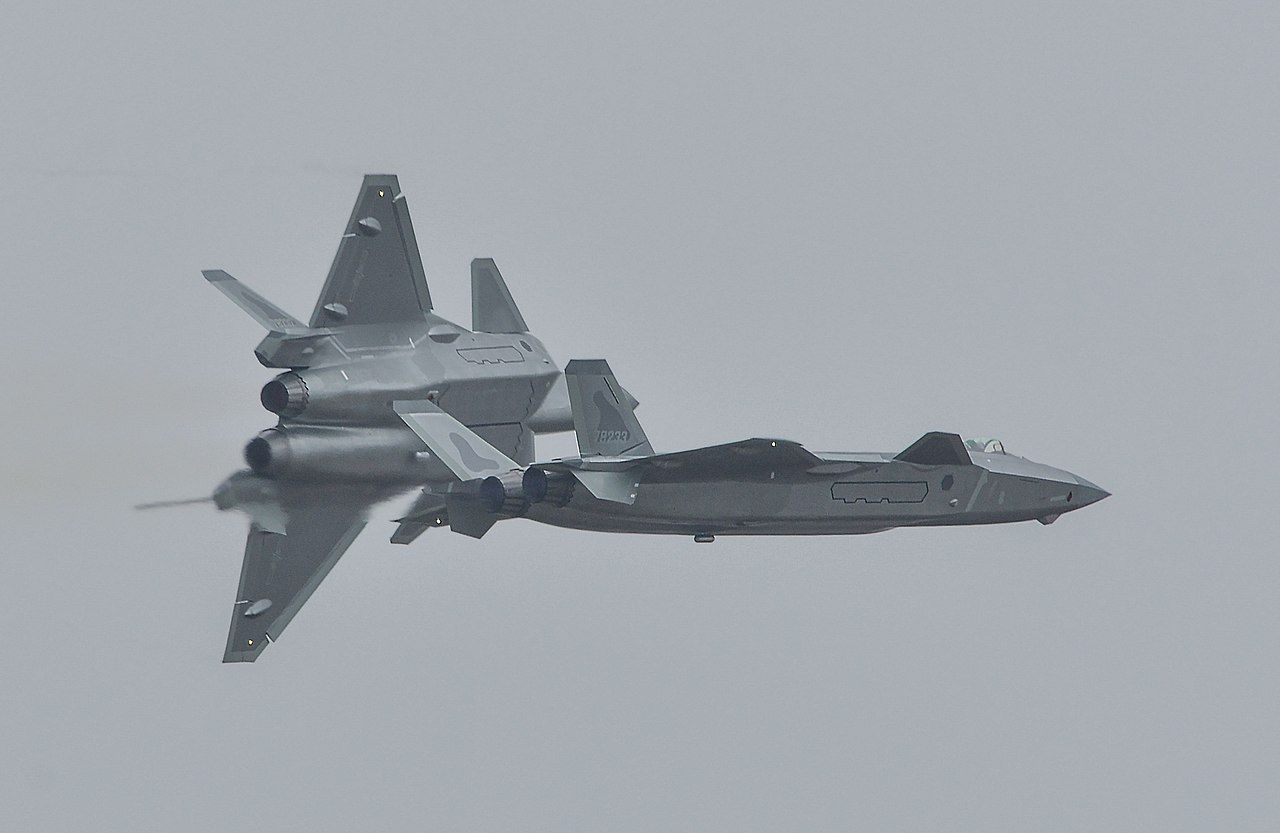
{"x":592,"y":367}
{"x":246,"y":642}
{"x":385,"y":180}
{"x":244,"y":656}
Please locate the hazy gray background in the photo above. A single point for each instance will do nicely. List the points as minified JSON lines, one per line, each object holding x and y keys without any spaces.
{"x":847,"y":225}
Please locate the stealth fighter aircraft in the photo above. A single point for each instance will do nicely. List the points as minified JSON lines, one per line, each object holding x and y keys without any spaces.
{"x":338,"y":447}
{"x":761,"y":486}
{"x":380,"y":395}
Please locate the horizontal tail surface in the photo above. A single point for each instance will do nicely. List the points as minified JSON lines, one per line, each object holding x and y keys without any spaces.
{"x":270,"y":316}
{"x":465,"y":453}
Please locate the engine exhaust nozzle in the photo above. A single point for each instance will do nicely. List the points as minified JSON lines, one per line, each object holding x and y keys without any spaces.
{"x":267,"y":453}
{"x":286,"y":395}
{"x":555,"y":488}
{"x":504,"y":494}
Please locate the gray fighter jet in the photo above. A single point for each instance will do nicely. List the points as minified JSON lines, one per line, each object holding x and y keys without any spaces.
{"x":338,"y":447}
{"x":760,"y":486}
{"x":380,"y":396}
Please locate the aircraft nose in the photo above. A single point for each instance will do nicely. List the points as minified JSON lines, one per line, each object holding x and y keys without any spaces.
{"x":1089,"y":492}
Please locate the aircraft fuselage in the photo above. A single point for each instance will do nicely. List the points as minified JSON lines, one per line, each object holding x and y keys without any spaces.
{"x":336,"y":424}
{"x":846,"y":494}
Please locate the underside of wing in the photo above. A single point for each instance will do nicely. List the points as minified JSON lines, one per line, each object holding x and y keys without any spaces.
{"x":281,"y":571}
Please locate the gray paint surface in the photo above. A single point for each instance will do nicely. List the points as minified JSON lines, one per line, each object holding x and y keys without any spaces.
{"x":337,"y":450}
{"x":1055,"y":225}
{"x":758,"y":486}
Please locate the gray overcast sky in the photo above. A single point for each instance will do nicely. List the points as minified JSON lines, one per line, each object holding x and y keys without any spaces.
{"x":1053,"y":223}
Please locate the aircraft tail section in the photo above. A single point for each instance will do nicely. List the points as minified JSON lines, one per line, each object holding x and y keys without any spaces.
{"x":493,"y":310}
{"x":464,"y":452}
{"x":270,"y":316}
{"x":604,"y":414}
{"x":377,"y":275}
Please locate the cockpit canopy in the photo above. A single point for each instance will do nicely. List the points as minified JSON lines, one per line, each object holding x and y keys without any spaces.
{"x":985,"y":445}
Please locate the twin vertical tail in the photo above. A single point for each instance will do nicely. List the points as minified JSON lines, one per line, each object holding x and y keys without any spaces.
{"x":604,"y":414}
{"x":493,"y":310}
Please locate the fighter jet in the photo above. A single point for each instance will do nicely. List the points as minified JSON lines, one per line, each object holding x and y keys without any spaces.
{"x":338,"y":448}
{"x":759,"y":486}
{"x":380,"y":396}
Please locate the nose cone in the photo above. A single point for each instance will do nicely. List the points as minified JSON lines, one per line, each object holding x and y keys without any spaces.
{"x":1089,"y":493}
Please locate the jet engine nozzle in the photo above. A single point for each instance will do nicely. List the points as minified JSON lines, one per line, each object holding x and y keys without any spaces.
{"x":504,"y":494}
{"x":268,"y":453}
{"x":285,"y":395}
{"x":555,"y":488}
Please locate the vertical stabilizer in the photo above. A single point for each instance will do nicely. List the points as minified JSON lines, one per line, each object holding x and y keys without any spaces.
{"x":603,"y":415}
{"x":492,"y":308}
{"x":377,"y":275}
